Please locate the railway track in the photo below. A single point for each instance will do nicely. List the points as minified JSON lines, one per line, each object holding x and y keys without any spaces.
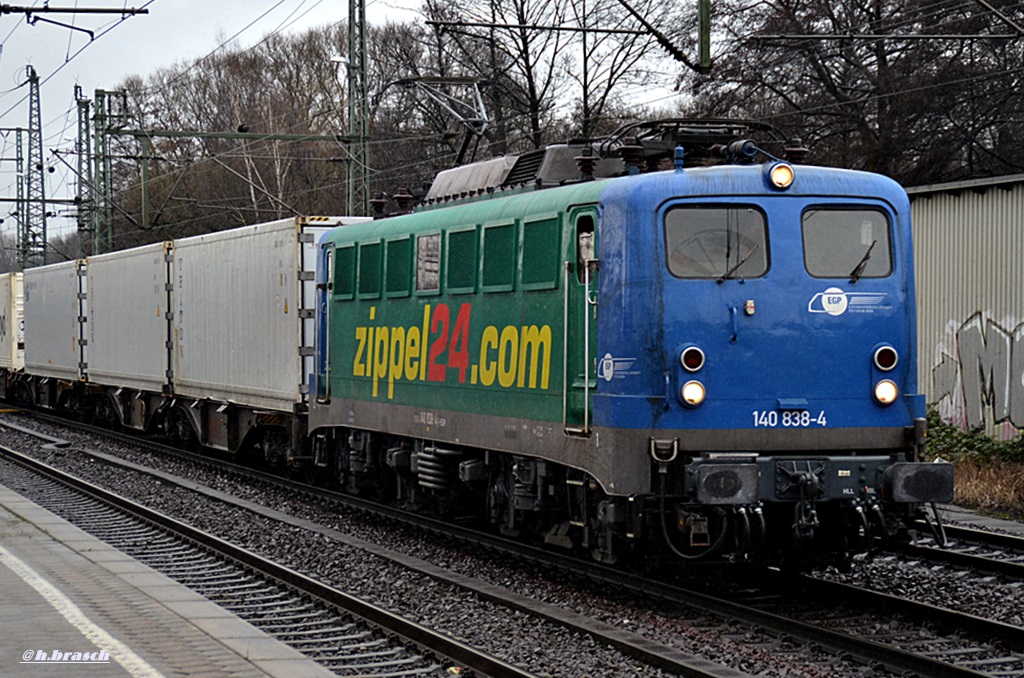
{"x":343,"y":633}
{"x":884,"y":633}
{"x":921,"y":638}
{"x":997,"y":553}
{"x":670,"y":660}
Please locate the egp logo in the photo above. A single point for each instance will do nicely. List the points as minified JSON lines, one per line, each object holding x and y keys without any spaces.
{"x":832,"y":301}
{"x":610,"y":367}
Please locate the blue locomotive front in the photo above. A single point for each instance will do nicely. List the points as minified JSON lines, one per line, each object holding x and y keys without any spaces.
{"x":729,"y":353}
{"x":757,"y":338}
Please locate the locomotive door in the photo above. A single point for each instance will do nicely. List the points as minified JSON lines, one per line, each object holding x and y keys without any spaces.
{"x":579,"y":377}
{"x":324,"y":292}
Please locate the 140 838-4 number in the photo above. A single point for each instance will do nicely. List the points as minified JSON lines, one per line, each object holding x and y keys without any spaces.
{"x":788,"y":419}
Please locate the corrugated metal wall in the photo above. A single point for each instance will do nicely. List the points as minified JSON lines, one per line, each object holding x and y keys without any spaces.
{"x":969,"y":249}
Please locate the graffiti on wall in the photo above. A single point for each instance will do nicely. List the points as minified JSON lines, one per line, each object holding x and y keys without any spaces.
{"x":978,"y":376}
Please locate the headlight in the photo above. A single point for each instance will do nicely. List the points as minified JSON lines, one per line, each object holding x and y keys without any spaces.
{"x":886,"y":392}
{"x":781,"y":175}
{"x":692,"y":393}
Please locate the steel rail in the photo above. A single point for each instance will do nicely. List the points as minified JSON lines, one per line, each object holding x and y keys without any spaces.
{"x":950,"y":621}
{"x":957,"y":552}
{"x":1005,"y":568}
{"x":868,"y":651}
{"x":437,"y":643}
{"x":982,"y":537}
{"x":635,"y":646}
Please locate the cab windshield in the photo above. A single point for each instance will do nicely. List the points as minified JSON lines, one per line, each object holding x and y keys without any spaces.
{"x":846,"y":243}
{"x":720,"y":242}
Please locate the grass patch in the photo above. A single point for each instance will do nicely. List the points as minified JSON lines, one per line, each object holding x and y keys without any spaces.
{"x":989,"y":473}
{"x":994,"y":488}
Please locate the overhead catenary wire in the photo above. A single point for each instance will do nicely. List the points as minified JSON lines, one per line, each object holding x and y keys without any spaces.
{"x":282,"y":25}
{"x":301,"y":10}
{"x":936,"y":7}
{"x":67,"y":61}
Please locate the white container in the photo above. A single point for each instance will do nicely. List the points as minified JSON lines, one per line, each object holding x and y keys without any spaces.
{"x":241,"y":301}
{"x":53,"y":332}
{"x":127,"y":324}
{"x":12,"y":322}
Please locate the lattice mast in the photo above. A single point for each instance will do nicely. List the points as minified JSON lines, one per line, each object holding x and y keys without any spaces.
{"x":19,"y":173}
{"x":111,"y":116}
{"x":85,"y":199}
{"x":358,"y":112}
{"x":32,"y":245}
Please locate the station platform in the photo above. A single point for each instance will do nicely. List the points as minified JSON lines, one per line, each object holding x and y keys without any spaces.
{"x":74,"y":606}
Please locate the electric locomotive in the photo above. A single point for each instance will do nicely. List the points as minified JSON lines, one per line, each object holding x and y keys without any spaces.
{"x":670,"y":340}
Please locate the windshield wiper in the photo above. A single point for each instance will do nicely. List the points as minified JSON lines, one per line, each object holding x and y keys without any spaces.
{"x":858,"y":270}
{"x":735,"y":267}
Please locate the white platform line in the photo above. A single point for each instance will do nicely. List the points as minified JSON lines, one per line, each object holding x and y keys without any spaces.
{"x":117,"y":650}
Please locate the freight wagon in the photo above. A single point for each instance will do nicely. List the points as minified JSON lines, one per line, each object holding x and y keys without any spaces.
{"x":208,"y":337}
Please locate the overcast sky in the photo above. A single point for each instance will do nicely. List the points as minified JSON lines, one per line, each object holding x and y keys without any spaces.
{"x":173,"y":31}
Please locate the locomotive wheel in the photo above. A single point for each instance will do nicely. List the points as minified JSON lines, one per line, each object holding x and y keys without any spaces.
{"x":337,"y":469}
{"x":304,"y":471}
{"x":499,"y":506}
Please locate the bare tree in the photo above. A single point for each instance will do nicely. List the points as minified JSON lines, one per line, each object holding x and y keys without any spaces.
{"x":8,"y":253}
{"x":525,"y":66}
{"x":282,"y":86}
{"x":863,"y":87}
{"x":615,"y":54}
{"x":853,"y":78}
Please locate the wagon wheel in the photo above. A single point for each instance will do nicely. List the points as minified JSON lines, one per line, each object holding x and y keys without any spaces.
{"x":178,"y":429}
{"x":104,"y":413}
{"x":23,"y":395}
{"x":304,"y":470}
{"x":337,"y":468}
{"x":274,"y":447}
